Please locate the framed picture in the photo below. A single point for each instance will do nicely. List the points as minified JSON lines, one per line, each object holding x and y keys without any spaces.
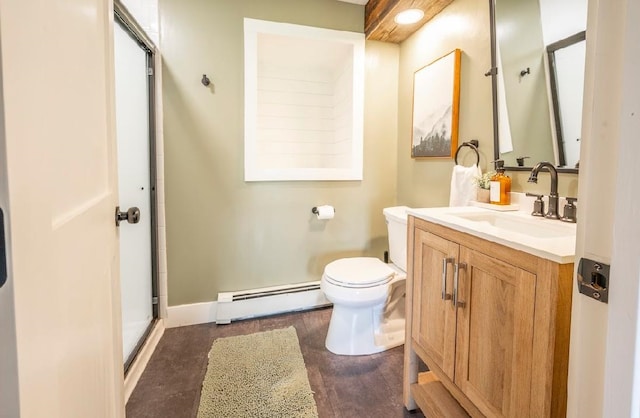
{"x":436,"y":103}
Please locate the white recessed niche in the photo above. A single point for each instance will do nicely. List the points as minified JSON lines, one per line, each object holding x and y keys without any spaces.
{"x":304,"y":100}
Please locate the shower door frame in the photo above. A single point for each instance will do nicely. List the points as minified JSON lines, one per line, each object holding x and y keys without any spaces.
{"x":122,"y":17}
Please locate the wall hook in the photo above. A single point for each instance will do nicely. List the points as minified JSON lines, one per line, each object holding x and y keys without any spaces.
{"x":205,"y":80}
{"x":492,"y":71}
{"x":520,"y":161}
{"x":525,"y":72}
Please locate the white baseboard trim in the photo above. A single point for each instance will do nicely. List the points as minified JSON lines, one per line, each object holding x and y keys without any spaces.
{"x":191,"y":314}
{"x":141,"y":360}
{"x":200,"y":313}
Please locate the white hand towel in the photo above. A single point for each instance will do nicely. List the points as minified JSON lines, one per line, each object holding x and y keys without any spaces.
{"x":463,"y":185}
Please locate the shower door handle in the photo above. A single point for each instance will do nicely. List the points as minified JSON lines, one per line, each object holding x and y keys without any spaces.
{"x":3,"y":252}
{"x":132,"y":215}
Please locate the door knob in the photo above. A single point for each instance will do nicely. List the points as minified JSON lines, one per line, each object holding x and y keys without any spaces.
{"x":132,"y":215}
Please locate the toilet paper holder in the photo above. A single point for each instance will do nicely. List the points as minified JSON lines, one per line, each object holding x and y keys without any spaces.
{"x":314,"y":210}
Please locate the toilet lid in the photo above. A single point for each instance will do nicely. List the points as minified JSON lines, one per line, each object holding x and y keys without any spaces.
{"x":359,"y":272}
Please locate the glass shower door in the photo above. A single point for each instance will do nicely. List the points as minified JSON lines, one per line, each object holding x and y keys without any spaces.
{"x":135,"y":188}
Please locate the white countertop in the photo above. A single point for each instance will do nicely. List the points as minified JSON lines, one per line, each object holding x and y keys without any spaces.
{"x":546,"y":238}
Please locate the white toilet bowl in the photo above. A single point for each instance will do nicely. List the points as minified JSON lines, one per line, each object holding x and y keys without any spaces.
{"x":368,"y":295}
{"x":360,"y":289}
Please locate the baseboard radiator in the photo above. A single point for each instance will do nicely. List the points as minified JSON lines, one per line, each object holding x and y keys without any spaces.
{"x":244,"y":304}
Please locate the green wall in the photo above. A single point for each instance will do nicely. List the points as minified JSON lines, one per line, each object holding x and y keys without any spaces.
{"x":464,"y":24}
{"x":224,"y":234}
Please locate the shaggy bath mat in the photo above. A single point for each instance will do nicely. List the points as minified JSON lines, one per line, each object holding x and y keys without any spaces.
{"x":257,"y":375}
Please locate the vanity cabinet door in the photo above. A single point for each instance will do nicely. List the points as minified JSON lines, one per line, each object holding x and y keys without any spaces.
{"x":434,"y":316}
{"x":494,"y":346}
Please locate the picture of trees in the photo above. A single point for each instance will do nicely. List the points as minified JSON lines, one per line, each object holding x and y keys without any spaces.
{"x":436,"y":94}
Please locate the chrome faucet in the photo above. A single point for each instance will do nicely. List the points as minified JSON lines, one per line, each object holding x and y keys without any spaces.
{"x":553,"y":195}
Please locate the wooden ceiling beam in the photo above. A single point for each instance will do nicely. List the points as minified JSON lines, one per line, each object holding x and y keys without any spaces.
{"x":380,"y":26}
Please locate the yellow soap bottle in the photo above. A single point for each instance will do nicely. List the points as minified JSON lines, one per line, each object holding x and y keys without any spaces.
{"x":500,"y":186}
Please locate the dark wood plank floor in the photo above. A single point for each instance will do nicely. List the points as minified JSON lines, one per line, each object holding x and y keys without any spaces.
{"x":344,"y":386}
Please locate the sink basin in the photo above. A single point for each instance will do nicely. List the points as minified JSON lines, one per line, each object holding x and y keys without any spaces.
{"x":547,"y":238}
{"x":533,"y":227}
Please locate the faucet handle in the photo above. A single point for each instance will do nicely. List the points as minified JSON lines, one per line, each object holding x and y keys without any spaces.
{"x":569,"y":214}
{"x":538,"y":205}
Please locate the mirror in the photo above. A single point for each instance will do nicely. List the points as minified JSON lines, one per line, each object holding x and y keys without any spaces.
{"x":537,"y":59}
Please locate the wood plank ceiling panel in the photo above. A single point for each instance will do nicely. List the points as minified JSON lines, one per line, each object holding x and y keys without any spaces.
{"x":380,"y":26}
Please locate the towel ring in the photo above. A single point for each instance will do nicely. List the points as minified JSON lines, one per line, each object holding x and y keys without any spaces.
{"x":473,"y":144}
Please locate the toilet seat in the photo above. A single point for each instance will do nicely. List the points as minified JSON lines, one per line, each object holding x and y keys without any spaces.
{"x":358,"y":272}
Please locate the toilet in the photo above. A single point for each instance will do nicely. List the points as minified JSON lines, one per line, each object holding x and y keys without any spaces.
{"x":368,"y":295}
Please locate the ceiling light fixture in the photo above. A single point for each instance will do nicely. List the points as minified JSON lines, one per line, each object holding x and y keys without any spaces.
{"x":409,"y":16}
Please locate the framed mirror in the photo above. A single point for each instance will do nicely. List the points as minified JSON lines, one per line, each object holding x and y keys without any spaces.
{"x":537,"y":60}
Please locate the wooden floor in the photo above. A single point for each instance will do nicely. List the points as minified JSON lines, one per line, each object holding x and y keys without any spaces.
{"x":344,"y":386}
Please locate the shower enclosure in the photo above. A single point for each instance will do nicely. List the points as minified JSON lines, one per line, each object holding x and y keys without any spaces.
{"x":136,"y":184}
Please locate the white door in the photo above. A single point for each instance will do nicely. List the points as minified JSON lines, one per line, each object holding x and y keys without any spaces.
{"x":58,"y":166}
{"x":134,"y":188}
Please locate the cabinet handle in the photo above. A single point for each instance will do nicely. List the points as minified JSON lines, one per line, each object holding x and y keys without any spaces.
{"x":456,"y":276}
{"x":445,"y":261}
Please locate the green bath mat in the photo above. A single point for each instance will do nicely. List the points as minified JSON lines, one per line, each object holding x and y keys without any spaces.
{"x":257,"y":375}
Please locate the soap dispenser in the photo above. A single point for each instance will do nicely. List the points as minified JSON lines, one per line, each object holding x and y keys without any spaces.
{"x":500,"y":186}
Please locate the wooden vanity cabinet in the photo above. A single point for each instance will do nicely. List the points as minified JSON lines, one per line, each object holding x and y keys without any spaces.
{"x":501,"y":350}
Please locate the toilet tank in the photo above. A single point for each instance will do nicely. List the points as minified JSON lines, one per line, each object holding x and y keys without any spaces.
{"x":396,"y":218}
